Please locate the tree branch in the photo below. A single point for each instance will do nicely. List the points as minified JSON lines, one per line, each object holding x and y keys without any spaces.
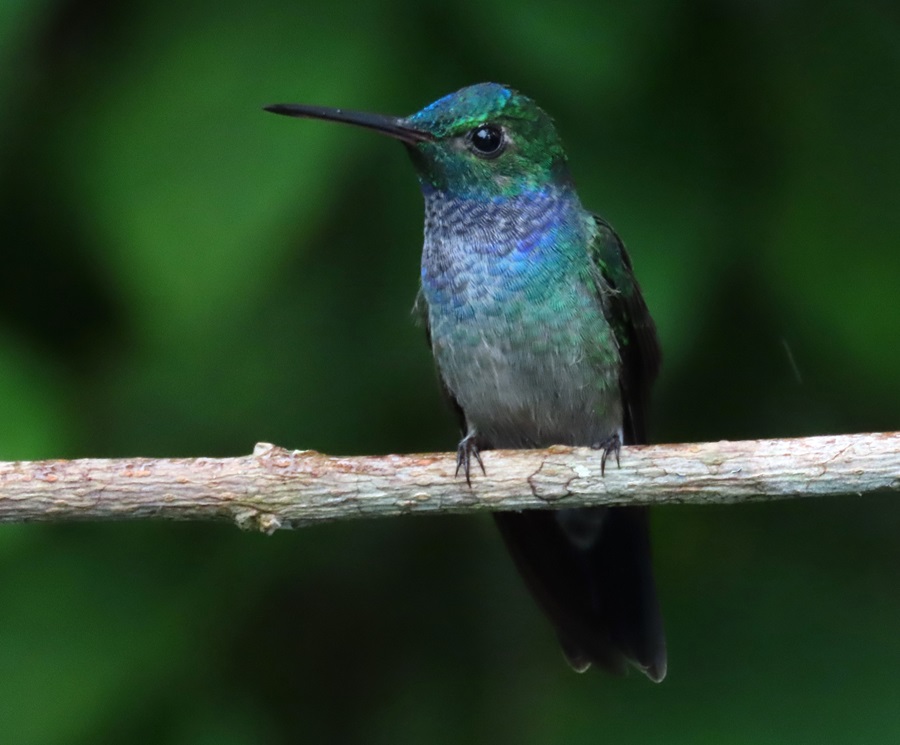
{"x":274,"y":488}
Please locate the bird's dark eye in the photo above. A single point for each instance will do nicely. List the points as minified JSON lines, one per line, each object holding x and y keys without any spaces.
{"x":488,"y":140}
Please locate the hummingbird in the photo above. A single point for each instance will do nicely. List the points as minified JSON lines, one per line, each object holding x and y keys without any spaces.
{"x":541,"y":336}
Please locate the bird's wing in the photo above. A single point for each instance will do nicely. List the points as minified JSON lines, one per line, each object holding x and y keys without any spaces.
{"x":634,"y":328}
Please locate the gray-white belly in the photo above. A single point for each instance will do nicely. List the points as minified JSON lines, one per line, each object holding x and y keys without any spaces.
{"x":524,"y":382}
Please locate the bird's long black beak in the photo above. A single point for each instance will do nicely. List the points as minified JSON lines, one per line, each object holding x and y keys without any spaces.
{"x":389,"y":125}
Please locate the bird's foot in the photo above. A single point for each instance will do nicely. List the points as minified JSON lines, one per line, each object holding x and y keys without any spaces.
{"x":468,"y":449}
{"x":609,"y":445}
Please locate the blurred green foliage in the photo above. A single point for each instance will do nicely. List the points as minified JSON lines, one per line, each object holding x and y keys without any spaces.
{"x":186,"y":275}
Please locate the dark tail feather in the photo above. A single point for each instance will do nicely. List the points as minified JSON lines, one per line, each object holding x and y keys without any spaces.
{"x":599,"y":593}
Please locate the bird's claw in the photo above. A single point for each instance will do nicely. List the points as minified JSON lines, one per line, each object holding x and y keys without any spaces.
{"x":609,"y":445}
{"x":468,"y":449}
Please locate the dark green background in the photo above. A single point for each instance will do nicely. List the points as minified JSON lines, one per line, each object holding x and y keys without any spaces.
{"x":185,"y":275}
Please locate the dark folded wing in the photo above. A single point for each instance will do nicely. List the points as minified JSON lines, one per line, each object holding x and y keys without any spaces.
{"x":633,"y":326}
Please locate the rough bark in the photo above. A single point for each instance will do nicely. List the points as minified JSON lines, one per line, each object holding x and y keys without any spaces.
{"x":275,"y":488}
